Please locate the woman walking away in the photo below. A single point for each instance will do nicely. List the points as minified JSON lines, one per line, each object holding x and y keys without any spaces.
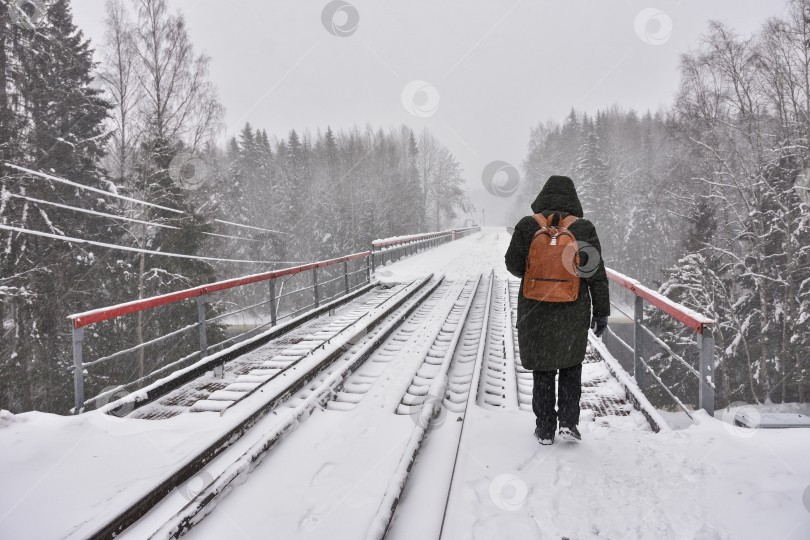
{"x":557,"y":255}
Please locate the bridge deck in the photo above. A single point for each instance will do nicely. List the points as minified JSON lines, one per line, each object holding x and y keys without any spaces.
{"x":327,"y":477}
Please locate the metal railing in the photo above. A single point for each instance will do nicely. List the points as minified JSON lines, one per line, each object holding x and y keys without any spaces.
{"x":392,"y":249}
{"x":203,"y":297}
{"x":642,"y":371}
{"x":302,"y":288}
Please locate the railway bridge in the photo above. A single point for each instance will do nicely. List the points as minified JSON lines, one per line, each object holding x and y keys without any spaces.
{"x":381,"y":395}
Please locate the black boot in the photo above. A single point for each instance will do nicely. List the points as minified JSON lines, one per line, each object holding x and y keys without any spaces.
{"x":544,"y":435}
{"x":570,"y":434}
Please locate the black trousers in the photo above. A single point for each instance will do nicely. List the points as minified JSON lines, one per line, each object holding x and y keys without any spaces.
{"x":570,"y":389}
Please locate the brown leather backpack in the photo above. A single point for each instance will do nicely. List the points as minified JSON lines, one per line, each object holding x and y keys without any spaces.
{"x":551,"y":274}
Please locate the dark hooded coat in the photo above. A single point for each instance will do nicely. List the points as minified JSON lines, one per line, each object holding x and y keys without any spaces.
{"x":554,"y":335}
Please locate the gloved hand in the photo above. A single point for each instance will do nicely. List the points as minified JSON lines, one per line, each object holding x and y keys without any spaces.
{"x":599,"y":325}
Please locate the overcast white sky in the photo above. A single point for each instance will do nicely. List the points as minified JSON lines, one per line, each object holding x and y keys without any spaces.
{"x":498,"y":67}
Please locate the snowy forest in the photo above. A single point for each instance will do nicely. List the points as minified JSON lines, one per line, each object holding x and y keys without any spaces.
{"x":709,"y":198}
{"x":131,"y":130}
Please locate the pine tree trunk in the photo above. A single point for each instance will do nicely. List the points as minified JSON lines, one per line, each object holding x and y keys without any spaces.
{"x":750,"y":368}
{"x":789,"y":313}
{"x":765,"y":351}
{"x":5,"y":113}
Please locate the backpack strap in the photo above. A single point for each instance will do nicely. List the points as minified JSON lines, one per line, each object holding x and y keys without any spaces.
{"x":541,"y":220}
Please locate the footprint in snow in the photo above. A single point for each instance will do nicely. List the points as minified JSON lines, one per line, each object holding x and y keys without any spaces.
{"x":565,"y":475}
{"x":309,"y":522}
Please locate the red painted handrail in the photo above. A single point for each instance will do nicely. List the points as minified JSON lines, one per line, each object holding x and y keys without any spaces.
{"x":104,"y":314}
{"x":690,"y":318}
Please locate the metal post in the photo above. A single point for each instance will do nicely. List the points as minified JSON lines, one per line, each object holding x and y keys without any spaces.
{"x":706,"y":389}
{"x":315,"y":286}
{"x":201,"y":302}
{"x":369,"y":266}
{"x":219,"y":370}
{"x":273,"y":305}
{"x":638,"y":343}
{"x":346,"y":275}
{"x":78,"y":369}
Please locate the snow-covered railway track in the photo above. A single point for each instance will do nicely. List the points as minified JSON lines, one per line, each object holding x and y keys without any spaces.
{"x":432,"y":369}
{"x":400,"y":345}
{"x":434,"y":336}
{"x":373,"y":326}
{"x":242,"y":376}
{"x":499,"y":388}
{"x":462,"y":369}
{"x":437,"y":346}
{"x":525,"y":380}
{"x":458,"y":345}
